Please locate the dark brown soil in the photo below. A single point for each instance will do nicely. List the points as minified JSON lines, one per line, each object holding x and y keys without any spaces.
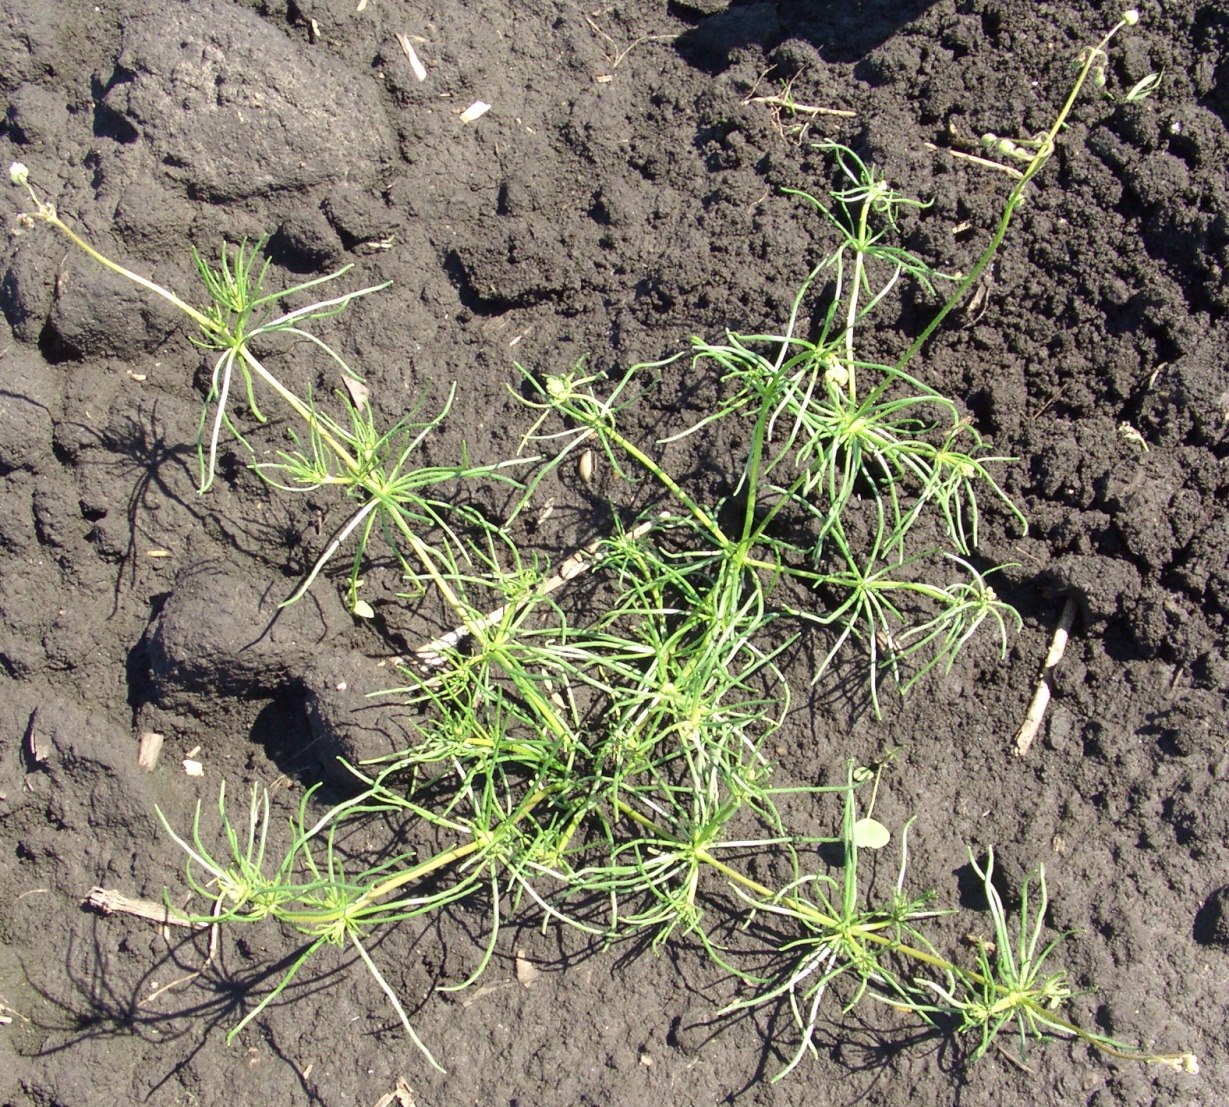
{"x":620,"y":196}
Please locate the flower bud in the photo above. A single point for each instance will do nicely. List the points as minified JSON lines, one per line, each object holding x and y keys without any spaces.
{"x":836,"y":375}
{"x":18,"y":173}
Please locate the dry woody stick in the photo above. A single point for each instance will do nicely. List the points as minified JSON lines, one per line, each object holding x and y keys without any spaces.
{"x":1041,"y":697}
{"x":800,"y":109}
{"x":431,"y":655}
{"x":107,"y":901}
{"x":1010,"y":170}
{"x":411,"y":55}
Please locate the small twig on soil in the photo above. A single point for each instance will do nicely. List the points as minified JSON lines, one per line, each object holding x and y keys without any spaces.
{"x":1013,"y":1059}
{"x":8,"y":1013}
{"x":401,"y":1096}
{"x":1010,"y":170}
{"x":107,"y":901}
{"x":800,"y":109}
{"x":784,"y":102}
{"x":110,"y":902}
{"x":617,"y":59}
{"x":1041,"y":697}
{"x":36,"y":750}
{"x":149,"y":746}
{"x":431,"y":655}
{"x":411,"y":55}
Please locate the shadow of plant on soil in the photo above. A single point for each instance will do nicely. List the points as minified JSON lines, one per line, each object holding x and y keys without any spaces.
{"x":95,"y":1005}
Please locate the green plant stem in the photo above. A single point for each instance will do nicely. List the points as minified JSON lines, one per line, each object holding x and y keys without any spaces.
{"x":855,"y":286}
{"x":237,"y":345}
{"x":667,"y":481}
{"x":873,"y":933}
{"x":47,"y":213}
{"x":1015,"y":197}
{"x":423,"y":553}
{"x":301,"y":409}
{"x":386,"y":887}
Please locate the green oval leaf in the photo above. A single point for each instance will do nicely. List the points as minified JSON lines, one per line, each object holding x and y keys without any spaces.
{"x":870,"y":834}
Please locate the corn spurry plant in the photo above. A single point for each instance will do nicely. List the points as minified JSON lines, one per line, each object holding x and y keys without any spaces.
{"x":838,"y":446}
{"x":610,"y":765}
{"x":378,"y":468}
